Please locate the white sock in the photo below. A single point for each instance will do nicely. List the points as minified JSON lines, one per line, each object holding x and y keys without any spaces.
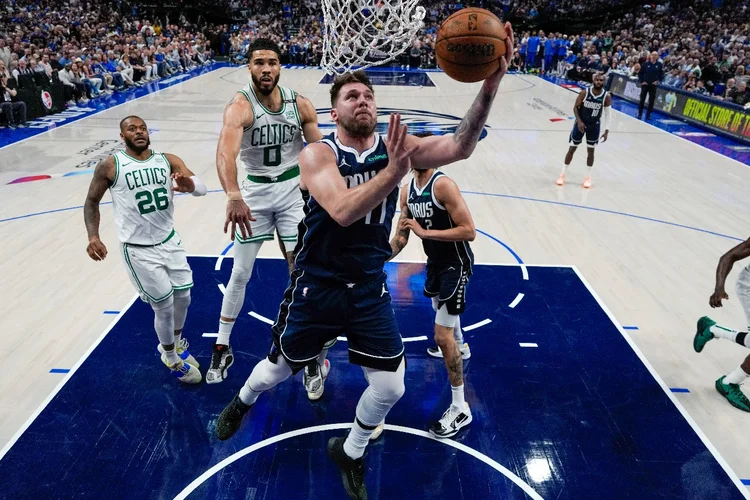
{"x":322,"y":357}
{"x":723,"y":333}
{"x":458,"y":397}
{"x":357,"y":440}
{"x":591,"y":169}
{"x":171,"y":356}
{"x":177,"y":337}
{"x":738,"y":376}
{"x":225,"y":331}
{"x":265,"y":375}
{"x":565,"y":168}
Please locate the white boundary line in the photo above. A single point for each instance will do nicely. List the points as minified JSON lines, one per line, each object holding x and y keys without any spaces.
{"x":735,"y":479}
{"x":261,"y":318}
{"x":72,"y":371}
{"x":50,"y":129}
{"x":516,"y":301}
{"x":469,"y":328}
{"x":657,"y":128}
{"x":329,"y":427}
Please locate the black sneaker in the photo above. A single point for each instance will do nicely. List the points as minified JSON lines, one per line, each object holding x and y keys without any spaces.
{"x":352,"y":471}
{"x":231,"y":418}
{"x":222,"y":358}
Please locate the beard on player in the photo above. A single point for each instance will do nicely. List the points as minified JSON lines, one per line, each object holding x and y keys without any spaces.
{"x":265,"y":84}
{"x":139,"y":144}
{"x":362,"y":124}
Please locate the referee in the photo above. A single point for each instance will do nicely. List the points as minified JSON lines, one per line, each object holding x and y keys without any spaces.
{"x":650,"y":75}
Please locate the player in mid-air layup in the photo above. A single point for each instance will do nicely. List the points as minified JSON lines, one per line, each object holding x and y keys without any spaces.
{"x":338,"y":286}
{"x":262,"y":131}
{"x":142,"y":183}
{"x":591,"y":106}
{"x":432,"y":207}
{"x":729,"y":385}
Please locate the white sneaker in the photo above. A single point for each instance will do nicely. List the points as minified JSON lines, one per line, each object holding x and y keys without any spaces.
{"x":451,"y":422}
{"x":435,"y":352}
{"x":222,"y":358}
{"x":183,"y":371}
{"x":182,"y":351}
{"x":314,"y":378}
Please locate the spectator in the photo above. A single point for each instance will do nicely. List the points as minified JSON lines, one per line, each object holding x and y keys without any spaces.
{"x":651,"y":74}
{"x":12,"y":109}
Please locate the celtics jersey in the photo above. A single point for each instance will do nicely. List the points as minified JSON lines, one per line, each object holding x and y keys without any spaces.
{"x":142,"y":198}
{"x":272,"y":144}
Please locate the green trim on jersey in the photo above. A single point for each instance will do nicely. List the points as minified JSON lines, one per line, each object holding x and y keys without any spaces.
{"x":135,"y":159}
{"x":296,"y":109}
{"x":266,"y":110}
{"x":183,"y":287}
{"x":117,"y":170}
{"x":247,"y":96}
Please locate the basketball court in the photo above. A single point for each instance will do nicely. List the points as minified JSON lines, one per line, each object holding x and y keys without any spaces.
{"x":583,"y":381}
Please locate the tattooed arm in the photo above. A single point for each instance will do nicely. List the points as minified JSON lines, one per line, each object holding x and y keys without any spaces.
{"x":237,"y":115}
{"x":437,"y":151}
{"x":104,"y":175}
{"x":401,"y":238}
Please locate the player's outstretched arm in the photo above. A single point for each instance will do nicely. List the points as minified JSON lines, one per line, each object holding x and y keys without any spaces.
{"x":740,"y":252}
{"x":104,"y":174}
{"x":437,"y":151}
{"x":309,"y":118}
{"x":237,"y":115}
{"x":401,"y":238}
{"x":185,"y":181}
{"x":577,"y":107}
{"x":447,"y":193}
{"x":320,"y":175}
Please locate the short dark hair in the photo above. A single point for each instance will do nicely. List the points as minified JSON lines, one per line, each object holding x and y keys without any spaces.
{"x":122,"y":122}
{"x":358,"y":76}
{"x":263,"y":44}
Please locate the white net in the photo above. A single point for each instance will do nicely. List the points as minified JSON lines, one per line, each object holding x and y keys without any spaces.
{"x":365,"y":33}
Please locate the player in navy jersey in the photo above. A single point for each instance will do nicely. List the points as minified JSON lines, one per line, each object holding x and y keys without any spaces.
{"x":432,"y":207}
{"x":349,"y":181}
{"x":592,"y":104}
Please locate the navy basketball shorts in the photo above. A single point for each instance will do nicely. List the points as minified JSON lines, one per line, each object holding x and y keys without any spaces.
{"x":316,"y":311}
{"x":592,"y":134}
{"x":448,"y":283}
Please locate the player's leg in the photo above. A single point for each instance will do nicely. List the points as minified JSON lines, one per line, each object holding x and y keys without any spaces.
{"x":287,"y":217}
{"x":458,"y":335}
{"x":707,"y":329}
{"x":376,"y":345}
{"x":181,"y":278}
{"x":148,"y":270}
{"x":575,"y":139}
{"x":651,"y":98}
{"x":592,"y":140}
{"x":306,"y":320}
{"x":451,"y":303}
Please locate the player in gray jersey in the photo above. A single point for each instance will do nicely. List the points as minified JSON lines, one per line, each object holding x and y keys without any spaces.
{"x":262,"y":132}
{"x":142,"y":183}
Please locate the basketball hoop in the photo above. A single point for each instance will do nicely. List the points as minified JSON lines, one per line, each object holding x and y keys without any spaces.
{"x":357,"y":29}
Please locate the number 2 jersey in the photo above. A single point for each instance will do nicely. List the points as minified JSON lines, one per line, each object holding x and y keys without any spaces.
{"x":272,"y":144}
{"x":358,"y":252}
{"x":429,"y":213}
{"x":142,"y":199}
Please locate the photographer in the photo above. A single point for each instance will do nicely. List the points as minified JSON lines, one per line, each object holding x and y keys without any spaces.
{"x":14,"y":112}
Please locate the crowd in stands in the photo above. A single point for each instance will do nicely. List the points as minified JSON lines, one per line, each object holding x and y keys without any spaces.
{"x":93,"y":48}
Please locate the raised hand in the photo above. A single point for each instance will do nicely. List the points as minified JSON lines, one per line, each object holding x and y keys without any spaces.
{"x":398,"y":153}
{"x":182,"y":184}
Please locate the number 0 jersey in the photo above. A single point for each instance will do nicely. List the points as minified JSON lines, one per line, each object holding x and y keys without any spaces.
{"x":142,"y":199}
{"x":272,"y":144}
{"x":357,"y":252}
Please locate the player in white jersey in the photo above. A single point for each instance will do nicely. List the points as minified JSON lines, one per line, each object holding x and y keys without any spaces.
{"x":262,"y":132}
{"x":142,"y":183}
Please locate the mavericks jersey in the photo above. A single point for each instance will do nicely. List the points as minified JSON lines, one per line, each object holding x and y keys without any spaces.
{"x":142,"y":199}
{"x":357,"y":252}
{"x":592,"y":107}
{"x":272,"y":144}
{"x":430,"y":214}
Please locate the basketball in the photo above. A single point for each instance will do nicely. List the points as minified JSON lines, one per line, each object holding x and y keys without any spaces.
{"x":470,"y":44}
